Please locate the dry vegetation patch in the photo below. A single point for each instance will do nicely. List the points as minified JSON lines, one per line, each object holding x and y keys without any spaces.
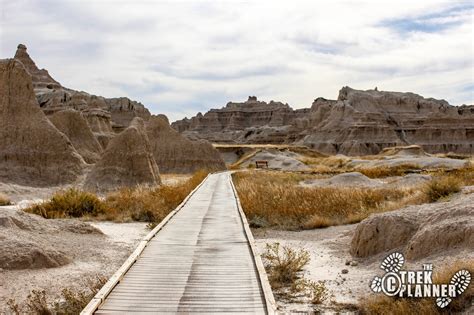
{"x":382,"y":305}
{"x":70,"y":203}
{"x":284,"y":267}
{"x":4,"y":200}
{"x":272,"y":199}
{"x":71,"y":302}
{"x":127,"y":204}
{"x":386,"y":171}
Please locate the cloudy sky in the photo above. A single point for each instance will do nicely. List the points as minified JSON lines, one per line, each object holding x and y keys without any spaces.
{"x":181,"y":57}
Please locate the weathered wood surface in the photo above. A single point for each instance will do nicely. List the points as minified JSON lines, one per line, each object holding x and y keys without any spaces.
{"x":201,"y":261}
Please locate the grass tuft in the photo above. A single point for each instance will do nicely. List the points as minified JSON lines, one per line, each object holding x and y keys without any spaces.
{"x":4,"y":200}
{"x":284,"y":267}
{"x":283,"y":264}
{"x":69,"y":203}
{"x":386,"y":171}
{"x":441,"y":187}
{"x":71,"y":301}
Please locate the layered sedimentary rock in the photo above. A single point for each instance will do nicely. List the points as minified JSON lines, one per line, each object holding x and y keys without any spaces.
{"x":32,"y":150}
{"x":128,"y":161}
{"x":176,"y":154}
{"x":99,"y":123}
{"x":75,"y":127}
{"x":365,"y":122}
{"x":40,"y":77}
{"x":53,"y":97}
{"x":252,"y":121}
{"x":357,"y":123}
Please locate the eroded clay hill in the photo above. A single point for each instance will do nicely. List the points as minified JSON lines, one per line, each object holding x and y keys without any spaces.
{"x":128,"y":161}
{"x":75,"y":127}
{"x":53,"y":97}
{"x":176,"y":154}
{"x":32,"y":150}
{"x":357,"y":123}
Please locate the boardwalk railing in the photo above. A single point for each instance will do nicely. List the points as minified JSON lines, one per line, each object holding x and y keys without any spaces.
{"x":217,"y":204}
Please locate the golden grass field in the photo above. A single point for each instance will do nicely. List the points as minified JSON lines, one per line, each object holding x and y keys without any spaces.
{"x":274,"y":199}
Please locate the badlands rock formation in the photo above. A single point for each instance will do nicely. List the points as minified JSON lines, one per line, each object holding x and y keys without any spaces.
{"x":32,"y":150}
{"x":53,"y":97}
{"x":175,"y":154}
{"x":418,"y":231}
{"x":128,"y":161}
{"x":252,"y":121}
{"x":357,"y":123}
{"x":365,"y":122}
{"x":75,"y":127}
{"x":41,"y":78}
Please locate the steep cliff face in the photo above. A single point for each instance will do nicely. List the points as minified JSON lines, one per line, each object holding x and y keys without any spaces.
{"x":53,"y":97}
{"x":32,"y":150}
{"x":252,"y":121}
{"x":357,"y":123}
{"x":364,"y":122}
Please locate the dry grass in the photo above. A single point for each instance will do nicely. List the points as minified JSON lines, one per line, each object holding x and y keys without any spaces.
{"x":284,"y":267}
{"x":71,"y":302}
{"x":465,"y":174}
{"x":443,"y":186}
{"x":275,"y":200}
{"x":128,"y":204}
{"x":386,"y":171}
{"x":330,"y":164}
{"x":401,"y":306}
{"x":283,"y":264}
{"x":69,"y":203}
{"x":149,"y":204}
{"x":4,"y":200}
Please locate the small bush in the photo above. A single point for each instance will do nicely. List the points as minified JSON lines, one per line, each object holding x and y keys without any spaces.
{"x":318,"y":292}
{"x":69,"y":203}
{"x":4,"y":200}
{"x":284,"y":267}
{"x":443,"y":187}
{"x":283,"y":264}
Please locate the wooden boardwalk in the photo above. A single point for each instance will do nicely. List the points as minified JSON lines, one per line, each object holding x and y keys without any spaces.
{"x":200,"y":259}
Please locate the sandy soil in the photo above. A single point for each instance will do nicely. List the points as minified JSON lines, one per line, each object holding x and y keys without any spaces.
{"x":329,"y":250}
{"x":92,"y":255}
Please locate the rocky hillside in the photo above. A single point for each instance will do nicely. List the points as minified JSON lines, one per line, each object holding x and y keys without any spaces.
{"x":357,"y":123}
{"x":52,"y":135}
{"x":53,"y":97}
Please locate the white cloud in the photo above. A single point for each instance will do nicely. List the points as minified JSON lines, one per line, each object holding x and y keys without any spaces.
{"x":180,"y":57}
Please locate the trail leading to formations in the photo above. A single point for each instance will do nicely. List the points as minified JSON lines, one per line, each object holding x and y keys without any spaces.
{"x":201,"y":260}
